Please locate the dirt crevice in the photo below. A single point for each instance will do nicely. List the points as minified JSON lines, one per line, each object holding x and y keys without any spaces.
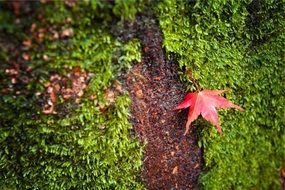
{"x":171,"y":160}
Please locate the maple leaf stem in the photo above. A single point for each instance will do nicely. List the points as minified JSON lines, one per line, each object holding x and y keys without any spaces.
{"x":189,"y":73}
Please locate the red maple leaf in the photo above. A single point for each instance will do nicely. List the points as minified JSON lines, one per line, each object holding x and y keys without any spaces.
{"x":205,"y":103}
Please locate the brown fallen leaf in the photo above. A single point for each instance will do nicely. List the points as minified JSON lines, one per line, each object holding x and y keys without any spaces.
{"x":41,"y":36}
{"x":119,"y":88}
{"x":27,"y":42}
{"x":109,"y":96}
{"x":157,"y":78}
{"x":11,"y":71}
{"x":139,"y":93}
{"x":56,"y":87}
{"x":175,"y":170}
{"x":67,"y":33}
{"x":77,"y":100}
{"x":80,"y":93}
{"x":93,"y":97}
{"x":55,"y":35}
{"x":48,"y":109}
{"x":33,"y":27}
{"x":26,"y":56}
{"x":67,"y":93}
{"x":53,"y":97}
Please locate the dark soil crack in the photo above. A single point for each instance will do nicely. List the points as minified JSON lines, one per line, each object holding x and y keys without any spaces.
{"x":171,"y":160}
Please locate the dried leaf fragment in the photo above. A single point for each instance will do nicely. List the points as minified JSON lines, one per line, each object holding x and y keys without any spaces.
{"x":26,"y":56}
{"x":27,"y":42}
{"x":67,"y":33}
{"x":175,"y":170}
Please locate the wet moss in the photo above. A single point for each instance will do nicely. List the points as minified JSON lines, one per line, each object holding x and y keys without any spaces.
{"x":85,"y":145}
{"x":234,"y":45}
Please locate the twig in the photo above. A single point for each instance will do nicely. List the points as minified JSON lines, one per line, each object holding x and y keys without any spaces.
{"x":189,"y":73}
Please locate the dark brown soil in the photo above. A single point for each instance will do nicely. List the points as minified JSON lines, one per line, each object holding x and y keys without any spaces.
{"x":171,"y":160}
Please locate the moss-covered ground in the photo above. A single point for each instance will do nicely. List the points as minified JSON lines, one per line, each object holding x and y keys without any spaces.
{"x":64,"y":113}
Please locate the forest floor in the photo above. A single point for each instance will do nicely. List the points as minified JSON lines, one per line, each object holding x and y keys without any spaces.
{"x":171,"y":160}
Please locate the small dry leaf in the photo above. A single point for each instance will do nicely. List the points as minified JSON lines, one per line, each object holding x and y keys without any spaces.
{"x":49,"y":89}
{"x":93,"y":97}
{"x":48,"y":109}
{"x":80,"y":93}
{"x":41,"y":36}
{"x":67,"y":33}
{"x":11,"y":71}
{"x":119,"y":88}
{"x":33,"y":27}
{"x":27,"y":42}
{"x":67,"y":93}
{"x":102,"y":107}
{"x":55,"y":35}
{"x":49,"y":102}
{"x":77,"y":100}
{"x":53,"y":97}
{"x":175,"y":170}
{"x":26,"y":56}
{"x":66,"y":96}
{"x":56,"y":87}
{"x":139,"y":93}
{"x":110,"y":96}
{"x":55,"y":77}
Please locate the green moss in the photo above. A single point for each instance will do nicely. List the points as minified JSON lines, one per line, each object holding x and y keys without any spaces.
{"x":234,"y":45}
{"x":82,"y":146}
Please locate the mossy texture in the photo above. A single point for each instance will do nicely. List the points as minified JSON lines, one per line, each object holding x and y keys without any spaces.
{"x":235,"y":45}
{"x":86,"y":145}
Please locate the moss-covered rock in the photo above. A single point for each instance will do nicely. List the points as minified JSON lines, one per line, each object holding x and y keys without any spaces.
{"x":79,"y":144}
{"x":237,"y":45}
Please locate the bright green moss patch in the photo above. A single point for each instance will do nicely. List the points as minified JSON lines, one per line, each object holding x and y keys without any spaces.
{"x":237,"y":45}
{"x":86,"y":145}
